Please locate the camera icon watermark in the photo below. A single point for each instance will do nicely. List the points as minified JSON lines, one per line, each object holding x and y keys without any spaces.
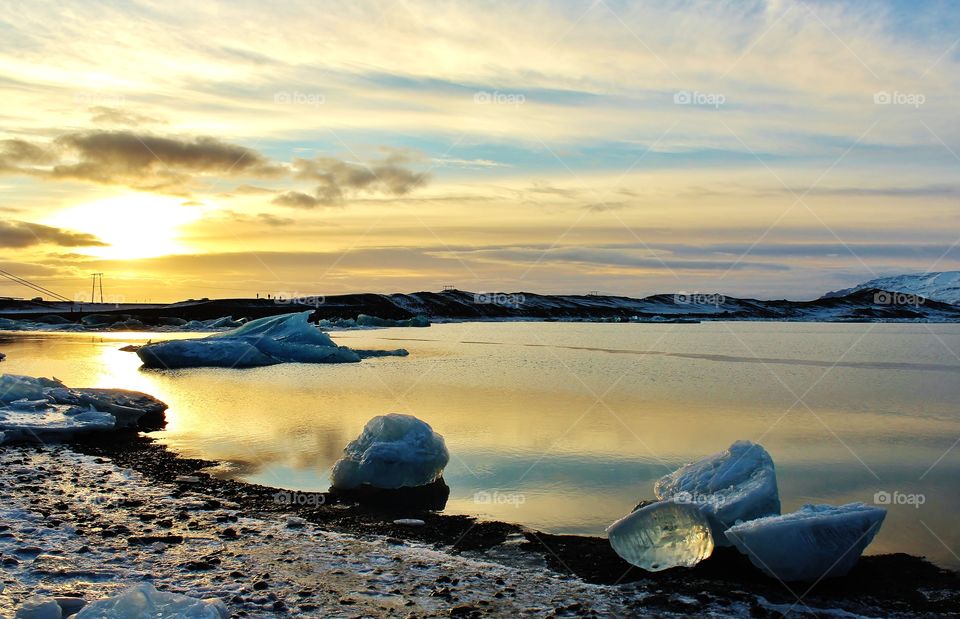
{"x":484,"y":497}
{"x":884,"y":97}
{"x":882,"y":497}
{"x":883,"y":297}
{"x":499,"y":298}
{"x":295,"y":97}
{"x":496,"y":97}
{"x":704,"y":99}
{"x":699,"y":298}
{"x":301,"y":499}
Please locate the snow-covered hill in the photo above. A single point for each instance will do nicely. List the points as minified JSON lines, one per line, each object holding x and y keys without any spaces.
{"x":943,"y":286}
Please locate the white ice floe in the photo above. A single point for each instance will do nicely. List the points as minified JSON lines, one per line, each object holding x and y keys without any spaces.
{"x":662,"y":535}
{"x":145,"y":602}
{"x":733,"y":486}
{"x":393,"y":451}
{"x":817,"y":541}
{"x":287,"y":338}
{"x":43,"y":408}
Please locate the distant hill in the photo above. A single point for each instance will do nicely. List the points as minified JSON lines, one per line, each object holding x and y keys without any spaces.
{"x":863,"y":305}
{"x":943,"y":286}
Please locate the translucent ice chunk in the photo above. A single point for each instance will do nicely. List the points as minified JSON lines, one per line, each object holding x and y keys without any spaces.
{"x":145,"y":602}
{"x":393,"y":451}
{"x":817,"y":541}
{"x":736,"y":485}
{"x":662,"y":535}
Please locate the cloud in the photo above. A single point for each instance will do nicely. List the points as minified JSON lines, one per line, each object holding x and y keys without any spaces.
{"x":145,"y":161}
{"x":19,"y":155}
{"x":340,"y":179}
{"x":297,"y":199}
{"x":601,"y":207}
{"x":103,"y":115}
{"x":273,"y":220}
{"x":20,"y":234}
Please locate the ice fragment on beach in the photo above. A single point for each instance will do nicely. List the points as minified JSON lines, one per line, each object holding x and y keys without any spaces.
{"x":145,"y":602}
{"x":662,"y":535}
{"x":39,"y":608}
{"x":814,"y":542}
{"x":733,"y":486}
{"x":42,"y":408}
{"x":393,"y":451}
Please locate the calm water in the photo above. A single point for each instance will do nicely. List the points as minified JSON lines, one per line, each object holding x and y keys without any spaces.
{"x":567,"y":426}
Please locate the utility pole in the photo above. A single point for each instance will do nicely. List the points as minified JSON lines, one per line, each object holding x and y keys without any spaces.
{"x":93,"y":287}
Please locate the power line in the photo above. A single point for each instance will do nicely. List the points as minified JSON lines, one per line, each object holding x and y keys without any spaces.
{"x":33,"y":286}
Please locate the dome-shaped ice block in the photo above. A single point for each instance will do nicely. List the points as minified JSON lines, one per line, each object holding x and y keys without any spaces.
{"x":814,"y":542}
{"x":662,"y":535}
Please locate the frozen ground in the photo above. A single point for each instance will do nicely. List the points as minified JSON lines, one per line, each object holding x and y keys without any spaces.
{"x":79,"y":525}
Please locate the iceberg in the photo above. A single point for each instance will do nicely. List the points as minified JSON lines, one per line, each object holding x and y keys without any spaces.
{"x":287,"y":338}
{"x":662,"y":535}
{"x":817,"y":541}
{"x":364,"y":320}
{"x":145,"y":602}
{"x":42,"y":408}
{"x":393,"y":451}
{"x":733,"y":486}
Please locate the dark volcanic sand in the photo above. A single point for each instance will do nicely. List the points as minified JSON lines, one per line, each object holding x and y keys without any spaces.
{"x":881,"y":585}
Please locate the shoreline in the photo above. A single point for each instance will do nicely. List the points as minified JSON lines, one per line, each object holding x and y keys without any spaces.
{"x":726,"y":583}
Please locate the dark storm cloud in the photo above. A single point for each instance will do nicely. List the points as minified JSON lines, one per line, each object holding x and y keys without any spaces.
{"x":19,"y":234}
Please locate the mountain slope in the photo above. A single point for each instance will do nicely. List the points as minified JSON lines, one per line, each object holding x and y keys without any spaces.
{"x":943,"y":286}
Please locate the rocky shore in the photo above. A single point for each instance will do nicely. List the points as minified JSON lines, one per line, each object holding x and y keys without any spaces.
{"x":100,"y":514}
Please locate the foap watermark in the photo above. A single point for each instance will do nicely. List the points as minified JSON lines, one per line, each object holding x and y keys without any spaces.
{"x":484,"y":497}
{"x":697,"y":498}
{"x":699,"y":298}
{"x":882,"y":497}
{"x":705,"y":99}
{"x":897,"y":298}
{"x":499,"y":298}
{"x":499,"y":98}
{"x":296,"y":298}
{"x":301,"y":499}
{"x":896,"y":97}
{"x":295,"y":97}
{"x":96,"y":98}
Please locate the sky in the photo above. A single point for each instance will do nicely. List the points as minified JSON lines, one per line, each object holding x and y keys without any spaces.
{"x":769,"y":149}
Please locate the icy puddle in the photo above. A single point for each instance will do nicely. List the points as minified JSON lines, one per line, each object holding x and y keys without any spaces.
{"x":566,"y":426}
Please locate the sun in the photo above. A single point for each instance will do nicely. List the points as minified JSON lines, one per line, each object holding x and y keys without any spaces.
{"x":134,"y":225}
